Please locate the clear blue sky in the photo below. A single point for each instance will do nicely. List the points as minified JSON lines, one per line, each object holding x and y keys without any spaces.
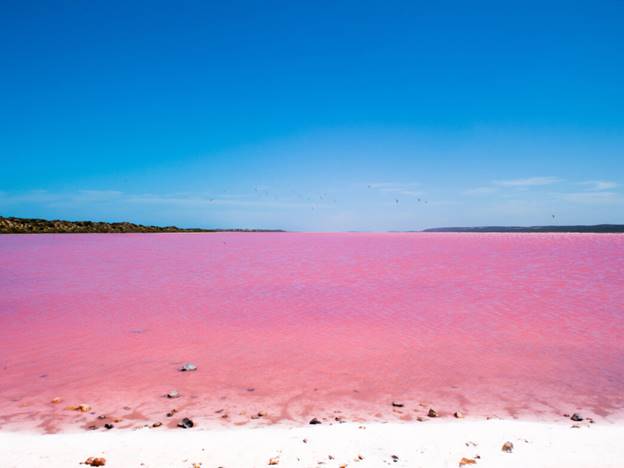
{"x":336,"y":115}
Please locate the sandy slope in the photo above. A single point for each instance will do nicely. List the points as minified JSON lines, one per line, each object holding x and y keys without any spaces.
{"x":429,"y":444}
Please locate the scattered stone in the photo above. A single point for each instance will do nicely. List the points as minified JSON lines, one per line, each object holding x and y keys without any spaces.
{"x":471,"y":444}
{"x":95,"y":461}
{"x":262,"y":414}
{"x":157,"y":424}
{"x":251,"y":389}
{"x":173,"y":394}
{"x":186,"y":423}
{"x":507,"y":447}
{"x":467,"y":461}
{"x":108,"y":426}
{"x":315,"y":421}
{"x":331,"y":457}
{"x":344,"y":465}
{"x":397,"y":404}
{"x":172,"y":412}
{"x":575,"y":426}
{"x":359,"y":458}
{"x":591,"y":421}
{"x":196,"y":465}
{"x":420,"y":419}
{"x":83,"y":408}
{"x":576,"y":417}
{"x":92,"y":428}
{"x":305,"y":441}
{"x":432,"y":413}
{"x":273,"y":461}
{"x":56,"y":400}
{"x":458,"y":414}
{"x":395,"y":458}
{"x":188,"y":367}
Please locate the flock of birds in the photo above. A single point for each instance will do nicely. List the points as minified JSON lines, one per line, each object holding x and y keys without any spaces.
{"x":262,"y":192}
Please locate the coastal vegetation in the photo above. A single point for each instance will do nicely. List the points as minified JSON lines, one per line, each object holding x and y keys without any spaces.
{"x":44,"y":226}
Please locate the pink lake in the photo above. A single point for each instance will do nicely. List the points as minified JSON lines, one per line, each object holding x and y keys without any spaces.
{"x":309,"y":325}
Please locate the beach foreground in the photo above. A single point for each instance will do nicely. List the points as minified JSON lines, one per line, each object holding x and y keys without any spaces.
{"x":430,"y":444}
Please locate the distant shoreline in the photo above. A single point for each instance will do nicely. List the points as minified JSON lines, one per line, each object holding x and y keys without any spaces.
{"x":596,"y":228}
{"x":11,"y":225}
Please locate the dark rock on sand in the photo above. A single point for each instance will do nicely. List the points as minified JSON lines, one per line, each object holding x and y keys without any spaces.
{"x":397,"y":404}
{"x":458,"y":414}
{"x":186,"y":423}
{"x":95,"y":461}
{"x":173,"y":394}
{"x":108,"y":426}
{"x":315,"y":421}
{"x":467,"y":461}
{"x":188,"y":367}
{"x":507,"y":447}
{"x":157,"y":424}
{"x":395,"y":458}
{"x":432,"y":413}
{"x":576,"y":417}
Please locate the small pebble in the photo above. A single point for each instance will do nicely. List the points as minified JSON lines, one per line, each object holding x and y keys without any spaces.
{"x":173,"y":394}
{"x":397,"y":404}
{"x":467,"y":461}
{"x":188,"y":367}
{"x":576,"y":417}
{"x":315,"y":421}
{"x":95,"y":461}
{"x":108,"y":426}
{"x":432,"y":413}
{"x":507,"y":447}
{"x":186,"y":423}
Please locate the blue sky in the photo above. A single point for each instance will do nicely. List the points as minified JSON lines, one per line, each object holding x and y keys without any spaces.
{"x":337,"y":115}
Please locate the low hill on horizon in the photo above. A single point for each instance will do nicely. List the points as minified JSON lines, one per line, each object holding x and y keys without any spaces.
{"x":595,"y":228}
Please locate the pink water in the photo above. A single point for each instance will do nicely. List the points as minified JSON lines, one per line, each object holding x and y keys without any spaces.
{"x":492,"y":325}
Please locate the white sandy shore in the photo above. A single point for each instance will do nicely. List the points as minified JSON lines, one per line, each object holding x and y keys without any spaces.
{"x":430,"y":444}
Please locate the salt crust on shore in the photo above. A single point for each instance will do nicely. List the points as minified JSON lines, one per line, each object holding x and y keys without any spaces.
{"x":429,"y":444}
